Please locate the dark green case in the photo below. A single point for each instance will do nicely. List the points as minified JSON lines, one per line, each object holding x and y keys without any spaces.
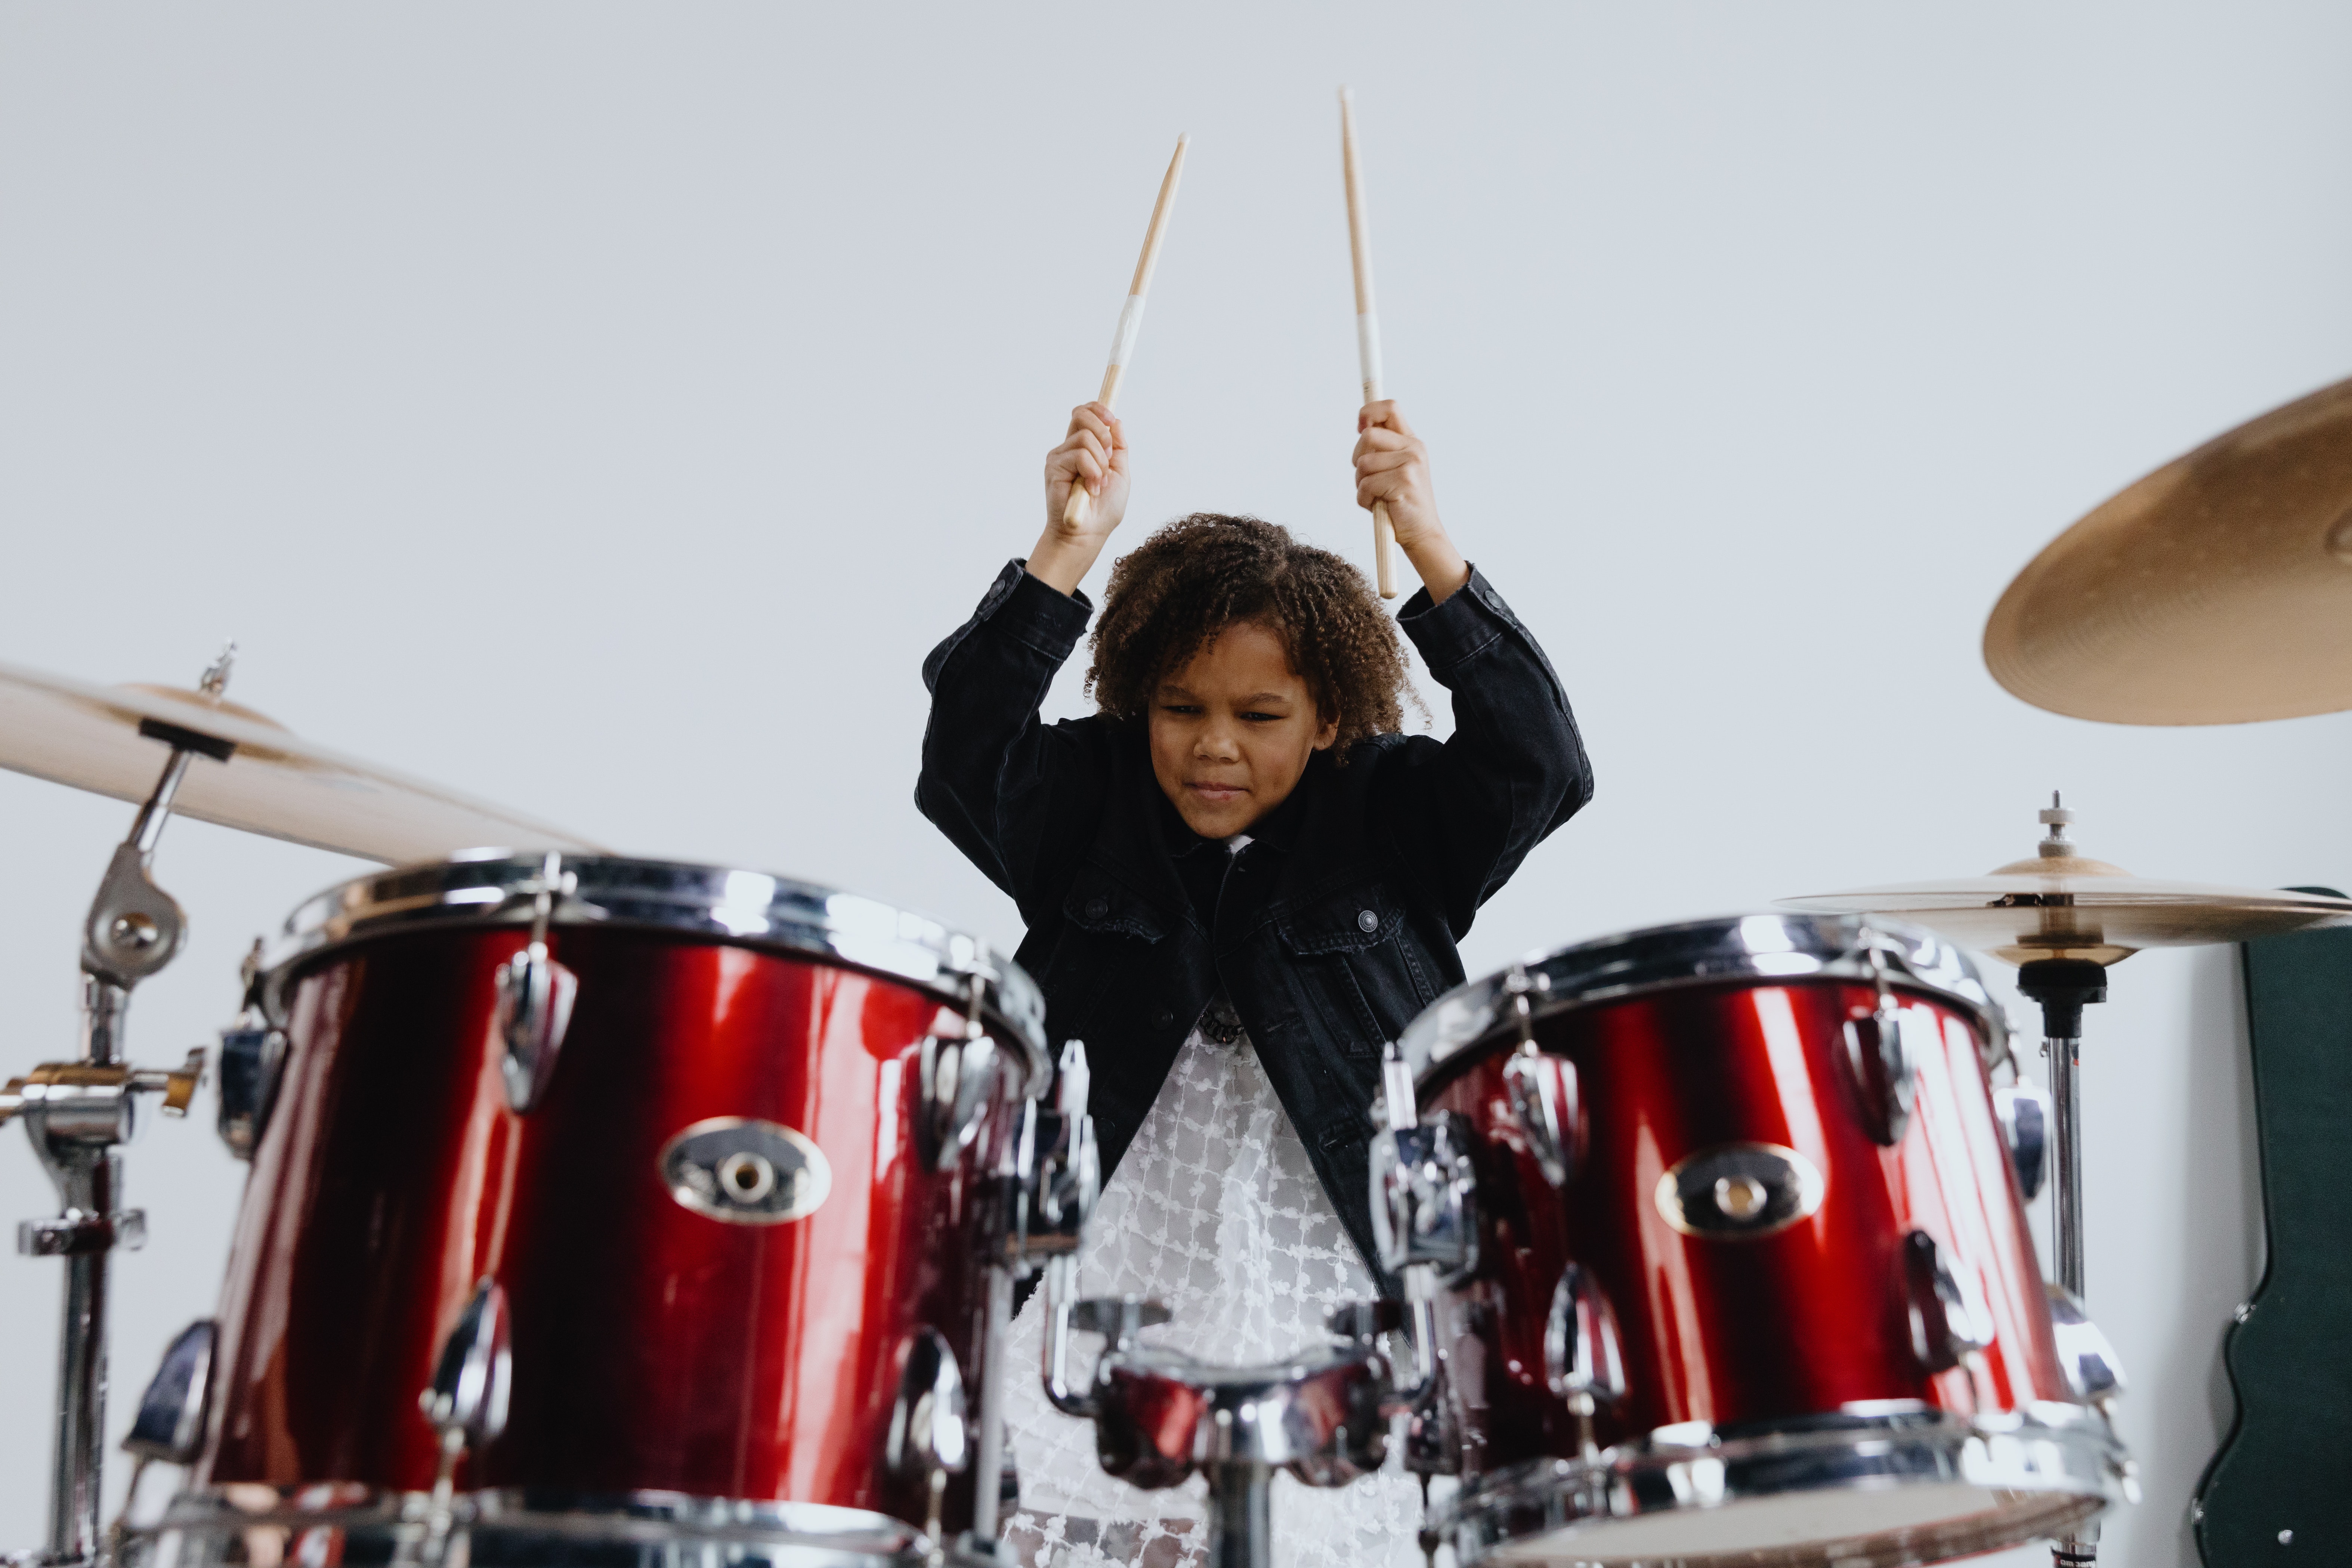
{"x":2286,"y":1465}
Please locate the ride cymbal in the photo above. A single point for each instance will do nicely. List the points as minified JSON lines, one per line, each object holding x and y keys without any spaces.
{"x":2218,"y":590}
{"x":274,"y":783}
{"x":2061,"y":905}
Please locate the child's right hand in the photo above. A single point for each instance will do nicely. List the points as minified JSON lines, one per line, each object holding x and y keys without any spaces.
{"x":1094,"y":456}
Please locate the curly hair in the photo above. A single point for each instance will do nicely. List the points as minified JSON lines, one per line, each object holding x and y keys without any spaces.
{"x":1202,"y":574}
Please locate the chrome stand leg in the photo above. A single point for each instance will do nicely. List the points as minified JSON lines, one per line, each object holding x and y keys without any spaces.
{"x":988,"y":1469}
{"x":2066,"y":1191}
{"x":2064,"y":987}
{"x":78,"y":1459}
{"x":1241,"y":1516}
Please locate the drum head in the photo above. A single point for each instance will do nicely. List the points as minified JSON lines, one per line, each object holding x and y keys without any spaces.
{"x":1854,"y":1528}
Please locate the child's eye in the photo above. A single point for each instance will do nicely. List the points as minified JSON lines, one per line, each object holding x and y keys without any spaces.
{"x":1178,"y":708}
{"x":1263,"y":717}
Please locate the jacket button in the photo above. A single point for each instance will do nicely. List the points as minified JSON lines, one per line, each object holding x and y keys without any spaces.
{"x":1096,"y":907}
{"x":1163,"y":1017}
{"x":1367,"y":921}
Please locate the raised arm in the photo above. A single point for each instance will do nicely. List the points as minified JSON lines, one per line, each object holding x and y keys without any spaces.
{"x":1014,"y":793}
{"x":1463,"y":814}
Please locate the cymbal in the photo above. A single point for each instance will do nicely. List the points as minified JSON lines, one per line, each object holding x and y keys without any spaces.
{"x":2218,"y":590}
{"x":77,"y":732}
{"x":2062,"y":905}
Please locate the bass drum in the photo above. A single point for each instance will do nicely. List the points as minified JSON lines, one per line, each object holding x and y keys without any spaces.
{"x":1742,"y":1274}
{"x":600,"y":1206}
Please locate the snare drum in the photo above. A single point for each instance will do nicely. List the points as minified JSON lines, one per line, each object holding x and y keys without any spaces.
{"x":1730,"y":1259}
{"x":609,"y":1201}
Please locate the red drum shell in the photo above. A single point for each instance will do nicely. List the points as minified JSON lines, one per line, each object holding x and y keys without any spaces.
{"x":654,"y":1348}
{"x":1729,"y":1330}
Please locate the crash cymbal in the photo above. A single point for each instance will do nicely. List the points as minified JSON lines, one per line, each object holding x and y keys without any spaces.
{"x":2216,"y":591}
{"x":2061,"y":905}
{"x":274,"y":783}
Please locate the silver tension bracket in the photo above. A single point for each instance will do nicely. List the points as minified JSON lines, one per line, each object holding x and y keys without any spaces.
{"x":536,"y":993}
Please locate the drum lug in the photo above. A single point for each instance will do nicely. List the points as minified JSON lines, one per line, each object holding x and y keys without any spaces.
{"x":2084,"y":1353}
{"x":1584,"y":1359}
{"x":929,"y":1439}
{"x":467,"y":1400}
{"x":170,"y":1426}
{"x":1950,"y":1320}
{"x":2023,"y":1109}
{"x":535,"y":995}
{"x":1549,"y":1111}
{"x":252,"y":1062}
{"x":1424,"y":1192}
{"x":958,"y":1078}
{"x":1878,"y":1055}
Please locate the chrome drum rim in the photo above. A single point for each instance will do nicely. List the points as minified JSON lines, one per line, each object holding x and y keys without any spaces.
{"x":214,"y":1525}
{"x":1782,"y":946}
{"x":2049,"y":1468}
{"x":718,"y":904}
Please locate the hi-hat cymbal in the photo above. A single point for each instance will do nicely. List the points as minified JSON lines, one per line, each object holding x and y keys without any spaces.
{"x":76,"y":732}
{"x":2218,"y":590}
{"x":2061,"y":905}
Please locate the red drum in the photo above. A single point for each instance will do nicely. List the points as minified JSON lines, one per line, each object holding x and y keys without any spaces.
{"x":1729,"y":1260}
{"x":614,"y":1200}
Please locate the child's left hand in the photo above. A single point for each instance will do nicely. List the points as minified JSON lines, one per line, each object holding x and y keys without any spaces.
{"x":1393,"y":466}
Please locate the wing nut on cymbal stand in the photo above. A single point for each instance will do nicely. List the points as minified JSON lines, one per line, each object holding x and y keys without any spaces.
{"x":77,"y":1115}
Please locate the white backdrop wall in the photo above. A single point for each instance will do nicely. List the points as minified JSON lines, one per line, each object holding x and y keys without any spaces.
{"x":603,"y":409}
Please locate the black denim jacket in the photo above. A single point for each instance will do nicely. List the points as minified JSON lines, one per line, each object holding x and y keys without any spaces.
{"x":1335,"y":925}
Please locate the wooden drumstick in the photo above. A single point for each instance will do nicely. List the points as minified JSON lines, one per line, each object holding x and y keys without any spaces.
{"x":1368,"y":320}
{"x":1130,"y":316}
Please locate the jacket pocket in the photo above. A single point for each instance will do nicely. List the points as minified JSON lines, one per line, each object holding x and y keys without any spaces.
{"x":1355,"y":956}
{"x":1098,"y":901}
{"x":1107,"y":932}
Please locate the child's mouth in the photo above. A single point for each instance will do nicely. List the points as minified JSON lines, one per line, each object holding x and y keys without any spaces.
{"x":1217,"y":793}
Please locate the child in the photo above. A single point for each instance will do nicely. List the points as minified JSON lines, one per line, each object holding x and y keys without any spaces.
{"x":1239,"y":879}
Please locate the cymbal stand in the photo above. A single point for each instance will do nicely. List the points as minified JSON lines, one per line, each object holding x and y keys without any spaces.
{"x":80,"y":1113}
{"x":2063,"y":986}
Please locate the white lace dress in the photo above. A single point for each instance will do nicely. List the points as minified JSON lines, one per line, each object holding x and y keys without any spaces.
{"x":1216,"y":1210}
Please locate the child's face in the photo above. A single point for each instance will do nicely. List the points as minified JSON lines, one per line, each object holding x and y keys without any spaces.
{"x":1232,"y":730}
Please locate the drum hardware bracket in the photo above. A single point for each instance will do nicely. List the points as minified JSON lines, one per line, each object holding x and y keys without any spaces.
{"x":1878,"y":1054}
{"x":1584,"y":1358}
{"x":930,"y":1436}
{"x":466,"y":1404}
{"x":1321,"y":1413}
{"x":1950,"y":1323}
{"x":1543,"y":1088}
{"x":1424,"y":1209}
{"x":77,"y":1115}
{"x":1051,"y":1177}
{"x":957,"y":1076}
{"x":251,"y":1061}
{"x":170,"y":1426}
{"x":535,"y":993}
{"x":2023,"y":1110}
